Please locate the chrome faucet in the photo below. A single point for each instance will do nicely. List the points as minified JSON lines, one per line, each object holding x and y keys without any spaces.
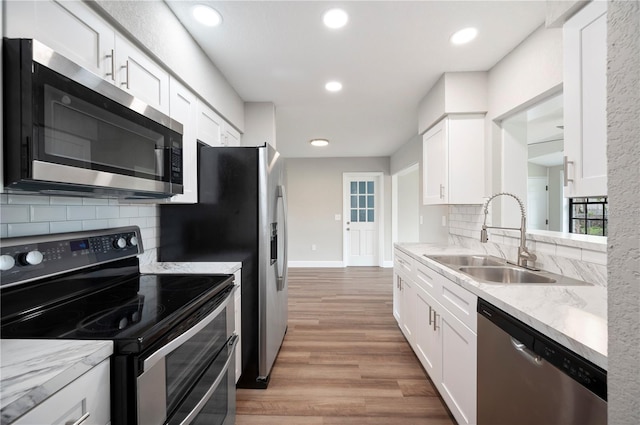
{"x":524,"y":256}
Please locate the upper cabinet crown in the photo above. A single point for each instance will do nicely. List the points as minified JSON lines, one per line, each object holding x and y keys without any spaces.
{"x":585,"y":101}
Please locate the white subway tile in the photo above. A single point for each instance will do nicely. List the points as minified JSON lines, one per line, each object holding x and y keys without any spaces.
{"x":65,"y":200}
{"x":118,"y":222}
{"x":65,"y":226}
{"x":27,"y":229}
{"x":48,"y":213}
{"x":153,"y":222}
{"x":95,"y":224}
{"x":18,"y":199}
{"x":14,"y":214}
{"x":147,"y":211}
{"x":81,"y":213}
{"x":594,"y":257}
{"x":114,"y":201}
{"x":4,"y":199}
{"x":149,"y":243}
{"x":129,"y":211}
{"x":138,"y":221}
{"x":109,"y":211}
{"x":95,"y":201}
{"x":4,"y":231}
{"x":569,"y":252}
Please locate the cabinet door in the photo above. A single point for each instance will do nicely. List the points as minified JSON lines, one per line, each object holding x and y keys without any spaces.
{"x":434,"y":164}
{"x":237,"y":305}
{"x":209,"y":126}
{"x":231,"y":136}
{"x":68,"y":27}
{"x":140,"y":76}
{"x":408,"y":310}
{"x":465,"y":166}
{"x":427,"y":334}
{"x":458,"y":368}
{"x":182,"y":108}
{"x":88,"y":396}
{"x":585,"y":101}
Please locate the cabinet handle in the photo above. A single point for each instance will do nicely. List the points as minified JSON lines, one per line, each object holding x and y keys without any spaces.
{"x":80,"y":420}
{"x":566,"y":171}
{"x":441,"y":191}
{"x":113,"y":65}
{"x":435,"y":321}
{"x":430,"y":320}
{"x":126,"y":83}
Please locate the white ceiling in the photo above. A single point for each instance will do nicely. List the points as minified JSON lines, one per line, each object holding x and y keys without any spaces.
{"x":387,"y":58}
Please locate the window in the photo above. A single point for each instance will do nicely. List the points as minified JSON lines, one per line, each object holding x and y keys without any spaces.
{"x":588,"y":216}
{"x":362,"y":201}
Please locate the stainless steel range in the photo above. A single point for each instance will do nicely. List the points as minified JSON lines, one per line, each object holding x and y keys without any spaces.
{"x":170,"y":332}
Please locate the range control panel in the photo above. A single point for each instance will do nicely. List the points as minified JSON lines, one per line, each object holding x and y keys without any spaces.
{"x":34,"y":257}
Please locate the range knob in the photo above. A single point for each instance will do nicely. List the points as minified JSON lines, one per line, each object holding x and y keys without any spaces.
{"x":7,"y":262}
{"x":119,"y":243}
{"x":31,"y":258}
{"x":133,"y":241}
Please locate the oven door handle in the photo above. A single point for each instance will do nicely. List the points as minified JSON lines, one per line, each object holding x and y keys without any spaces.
{"x":171,"y":346}
{"x":196,"y":410}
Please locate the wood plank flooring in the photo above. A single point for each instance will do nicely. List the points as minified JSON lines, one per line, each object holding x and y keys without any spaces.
{"x":344,"y":359}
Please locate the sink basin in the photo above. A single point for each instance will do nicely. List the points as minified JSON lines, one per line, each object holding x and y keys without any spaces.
{"x":467,"y":260}
{"x":505,"y":275}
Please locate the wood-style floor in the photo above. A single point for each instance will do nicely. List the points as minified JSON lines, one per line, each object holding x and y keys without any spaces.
{"x":344,"y":359}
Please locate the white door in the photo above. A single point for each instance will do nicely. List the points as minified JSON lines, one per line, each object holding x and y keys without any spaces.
{"x":537,"y":203}
{"x":362,"y":221}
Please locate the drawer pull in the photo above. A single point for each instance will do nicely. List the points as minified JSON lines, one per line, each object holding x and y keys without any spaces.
{"x":80,"y":420}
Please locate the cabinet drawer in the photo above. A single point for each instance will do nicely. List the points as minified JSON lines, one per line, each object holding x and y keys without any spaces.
{"x":428,"y":279}
{"x":460,"y":302}
{"x":88,"y":395}
{"x":403,"y":264}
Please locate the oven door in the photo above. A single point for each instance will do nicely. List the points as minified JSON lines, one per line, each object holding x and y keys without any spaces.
{"x":189,"y":375}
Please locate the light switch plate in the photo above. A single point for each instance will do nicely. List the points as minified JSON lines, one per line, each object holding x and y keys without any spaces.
{"x":338,"y":217}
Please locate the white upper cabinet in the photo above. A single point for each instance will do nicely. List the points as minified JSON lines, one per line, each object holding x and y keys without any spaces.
{"x":213,"y":130}
{"x":70,"y":28}
{"x":585,"y":101}
{"x":140,"y":76}
{"x":453,"y":161}
{"x":182,"y":107}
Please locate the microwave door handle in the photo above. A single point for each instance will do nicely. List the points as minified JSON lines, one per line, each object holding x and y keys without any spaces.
{"x":192,"y":415}
{"x":168,"y":348}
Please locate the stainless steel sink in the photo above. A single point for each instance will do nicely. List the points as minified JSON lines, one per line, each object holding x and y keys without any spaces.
{"x":505,"y":275}
{"x":467,"y":260}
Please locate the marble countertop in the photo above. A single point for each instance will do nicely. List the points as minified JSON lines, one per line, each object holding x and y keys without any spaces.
{"x":33,"y":370}
{"x":190,"y":268}
{"x":574,"y":316}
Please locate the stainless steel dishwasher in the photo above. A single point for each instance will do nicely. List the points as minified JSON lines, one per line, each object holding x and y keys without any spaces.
{"x":526,"y":378}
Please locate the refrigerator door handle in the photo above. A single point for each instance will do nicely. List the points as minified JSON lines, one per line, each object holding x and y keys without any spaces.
{"x":282,"y":274}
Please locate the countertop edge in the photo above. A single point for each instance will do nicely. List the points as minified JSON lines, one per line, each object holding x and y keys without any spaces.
{"x":481,"y":290}
{"x":27,"y":380}
{"x":190,"y":267}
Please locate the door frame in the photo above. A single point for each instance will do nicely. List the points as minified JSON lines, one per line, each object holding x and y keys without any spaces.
{"x":394,"y":198}
{"x":378,"y":176}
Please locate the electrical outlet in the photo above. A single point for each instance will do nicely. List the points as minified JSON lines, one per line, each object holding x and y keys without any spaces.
{"x":313,"y":247}
{"x":338,"y":217}
{"x":444,"y":221}
{"x":421,"y":221}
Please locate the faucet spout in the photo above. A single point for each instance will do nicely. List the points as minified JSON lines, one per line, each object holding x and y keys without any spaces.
{"x":524,"y":255}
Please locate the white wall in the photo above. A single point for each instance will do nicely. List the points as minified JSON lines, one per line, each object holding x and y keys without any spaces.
{"x":431,"y":229}
{"x":623,"y":153}
{"x":158,"y":30}
{"x":408,"y":207}
{"x":314,"y":190}
{"x":260,"y":124}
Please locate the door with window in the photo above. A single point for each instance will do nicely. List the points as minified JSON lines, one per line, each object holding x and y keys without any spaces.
{"x":361,"y":218}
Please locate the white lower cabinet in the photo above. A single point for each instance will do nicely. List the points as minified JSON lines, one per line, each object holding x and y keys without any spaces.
{"x":87,"y":397}
{"x":443,"y":338}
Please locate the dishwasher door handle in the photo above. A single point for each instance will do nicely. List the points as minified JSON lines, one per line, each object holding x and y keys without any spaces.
{"x":528,"y":354}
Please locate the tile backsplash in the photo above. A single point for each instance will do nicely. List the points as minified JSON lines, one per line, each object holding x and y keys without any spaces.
{"x":25,"y":215}
{"x":577,"y":256}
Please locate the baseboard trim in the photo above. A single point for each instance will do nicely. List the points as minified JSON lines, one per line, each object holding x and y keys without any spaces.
{"x":387,"y":264}
{"x":332,"y":264}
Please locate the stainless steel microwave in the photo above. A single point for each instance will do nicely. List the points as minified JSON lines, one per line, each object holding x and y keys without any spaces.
{"x":68,"y":131}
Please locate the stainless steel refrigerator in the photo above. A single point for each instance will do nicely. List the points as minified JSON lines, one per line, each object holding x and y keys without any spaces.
{"x":240,"y":216}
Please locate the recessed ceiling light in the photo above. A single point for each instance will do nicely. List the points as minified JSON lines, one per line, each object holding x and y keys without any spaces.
{"x":335,"y":18}
{"x":333,"y":86}
{"x":464,"y":35}
{"x":206,"y":15}
{"x":319,"y":142}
